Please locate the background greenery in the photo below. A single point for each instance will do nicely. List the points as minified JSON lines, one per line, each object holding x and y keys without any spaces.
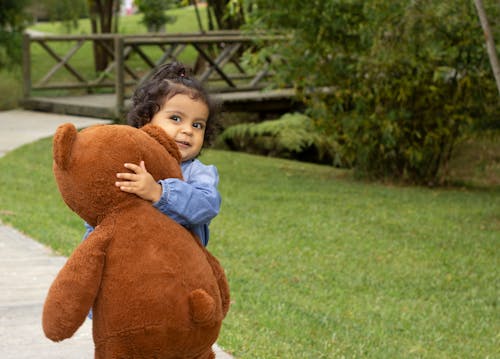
{"x":405,"y":86}
{"x":12,"y":22}
{"x":130,"y":24}
{"x":11,"y":77}
{"x":321,"y":266}
{"x":408,"y":79}
{"x":291,"y":136}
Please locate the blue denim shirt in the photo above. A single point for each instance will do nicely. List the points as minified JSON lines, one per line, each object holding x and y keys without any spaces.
{"x":192,"y":202}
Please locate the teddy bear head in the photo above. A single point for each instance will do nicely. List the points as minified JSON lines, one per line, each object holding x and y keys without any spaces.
{"x":86,"y":163}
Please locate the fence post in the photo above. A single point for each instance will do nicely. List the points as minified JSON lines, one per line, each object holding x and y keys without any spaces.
{"x":119,"y":77}
{"x":26,"y":66}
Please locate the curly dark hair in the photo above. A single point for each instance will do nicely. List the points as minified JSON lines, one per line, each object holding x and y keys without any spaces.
{"x":167,"y":81}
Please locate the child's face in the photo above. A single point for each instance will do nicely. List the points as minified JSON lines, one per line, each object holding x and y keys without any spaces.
{"x":185,"y":120}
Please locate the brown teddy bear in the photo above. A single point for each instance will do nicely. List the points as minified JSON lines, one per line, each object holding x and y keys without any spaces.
{"x":155,"y":291}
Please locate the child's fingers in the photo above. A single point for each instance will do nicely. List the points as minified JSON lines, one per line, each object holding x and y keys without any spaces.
{"x":125,"y":184}
{"x":135,"y":168}
{"x":128,"y":176}
{"x":126,"y":188}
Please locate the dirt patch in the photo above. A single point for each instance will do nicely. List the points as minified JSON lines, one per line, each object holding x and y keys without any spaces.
{"x":476,"y":161}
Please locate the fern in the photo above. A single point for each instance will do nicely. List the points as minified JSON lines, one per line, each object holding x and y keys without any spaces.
{"x":290,"y":136}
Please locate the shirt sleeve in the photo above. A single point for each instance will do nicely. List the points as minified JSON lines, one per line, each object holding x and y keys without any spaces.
{"x":88,"y":229}
{"x":194,"y":200}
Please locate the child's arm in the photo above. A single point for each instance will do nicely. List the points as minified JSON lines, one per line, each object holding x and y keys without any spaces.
{"x":193,"y":201}
{"x":140,"y":182}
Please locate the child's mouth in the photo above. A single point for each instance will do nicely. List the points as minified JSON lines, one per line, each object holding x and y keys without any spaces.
{"x":183,"y":144}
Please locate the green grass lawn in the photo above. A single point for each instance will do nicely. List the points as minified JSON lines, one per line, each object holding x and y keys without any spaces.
{"x":131,"y":24}
{"x":321,"y":266}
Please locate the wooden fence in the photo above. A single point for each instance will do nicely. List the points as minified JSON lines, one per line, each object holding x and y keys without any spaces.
{"x":132,"y":58}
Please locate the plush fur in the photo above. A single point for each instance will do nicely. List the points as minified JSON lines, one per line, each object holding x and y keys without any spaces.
{"x":156,"y":292}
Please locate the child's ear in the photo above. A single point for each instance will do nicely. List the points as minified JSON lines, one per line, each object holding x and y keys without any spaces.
{"x":165,"y":140}
{"x":62,"y":144}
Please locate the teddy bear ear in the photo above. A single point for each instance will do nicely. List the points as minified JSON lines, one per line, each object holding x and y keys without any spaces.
{"x":62,"y":143}
{"x":165,"y":140}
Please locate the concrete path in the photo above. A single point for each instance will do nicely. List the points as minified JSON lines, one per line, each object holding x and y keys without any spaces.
{"x":28,"y":268}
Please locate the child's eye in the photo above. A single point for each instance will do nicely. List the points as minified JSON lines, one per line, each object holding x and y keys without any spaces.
{"x":175,"y":118}
{"x":199,"y":125}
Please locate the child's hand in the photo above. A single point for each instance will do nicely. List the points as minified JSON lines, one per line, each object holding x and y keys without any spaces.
{"x":140,"y":182}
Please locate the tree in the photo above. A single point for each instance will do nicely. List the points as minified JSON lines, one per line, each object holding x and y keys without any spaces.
{"x":490,"y":42}
{"x":104,"y":15}
{"x":406,"y":79}
{"x":198,"y":16}
{"x":13,"y":21}
{"x":229,"y":14}
{"x":154,"y":16}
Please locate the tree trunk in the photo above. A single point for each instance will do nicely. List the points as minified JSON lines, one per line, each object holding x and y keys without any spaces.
{"x":226,"y":22}
{"x":198,"y":17}
{"x":102,"y":13}
{"x":490,"y":43}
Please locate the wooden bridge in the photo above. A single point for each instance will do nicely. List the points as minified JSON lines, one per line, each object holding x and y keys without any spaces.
{"x":65,"y":80}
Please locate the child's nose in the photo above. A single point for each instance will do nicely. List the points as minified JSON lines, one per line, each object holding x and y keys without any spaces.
{"x":187,"y":129}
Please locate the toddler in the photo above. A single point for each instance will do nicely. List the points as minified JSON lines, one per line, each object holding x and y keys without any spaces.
{"x":175,"y":101}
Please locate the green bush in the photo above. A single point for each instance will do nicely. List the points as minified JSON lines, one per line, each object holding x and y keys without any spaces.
{"x":67,"y":12}
{"x":291,"y":136}
{"x":13,"y":20}
{"x":423,"y":87}
{"x":10,"y":87}
{"x":154,"y":16}
{"x":408,"y":79}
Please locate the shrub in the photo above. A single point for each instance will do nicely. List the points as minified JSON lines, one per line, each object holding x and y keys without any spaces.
{"x":291,"y":136}
{"x":408,"y":78}
{"x":154,"y":16}
{"x":13,"y":20}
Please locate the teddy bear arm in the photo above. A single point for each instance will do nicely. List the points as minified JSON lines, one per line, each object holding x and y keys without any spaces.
{"x":73,"y":292}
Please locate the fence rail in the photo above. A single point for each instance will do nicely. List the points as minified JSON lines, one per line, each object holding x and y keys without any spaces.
{"x":132,"y":58}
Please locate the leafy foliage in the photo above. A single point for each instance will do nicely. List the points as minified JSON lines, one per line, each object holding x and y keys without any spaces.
{"x":103,"y":15}
{"x":229,"y":14}
{"x":407,"y":78}
{"x":66,"y":11}
{"x":13,"y":20}
{"x":291,"y":136}
{"x":154,"y":16}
